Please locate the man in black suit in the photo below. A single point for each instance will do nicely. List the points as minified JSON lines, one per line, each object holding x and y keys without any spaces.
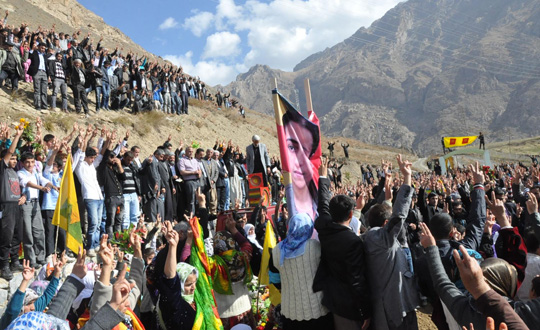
{"x":341,"y":275}
{"x":39,"y":71}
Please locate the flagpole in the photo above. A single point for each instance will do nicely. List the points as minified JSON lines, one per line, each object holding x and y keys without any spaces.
{"x":307,"y":90}
{"x":56,"y":240}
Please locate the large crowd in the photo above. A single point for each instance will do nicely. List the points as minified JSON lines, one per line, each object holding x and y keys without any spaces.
{"x":157,"y":228}
{"x":53,"y":61}
{"x":466,"y":242}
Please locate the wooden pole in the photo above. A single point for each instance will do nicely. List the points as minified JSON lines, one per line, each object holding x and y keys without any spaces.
{"x":307,"y":90}
{"x":56,"y":240}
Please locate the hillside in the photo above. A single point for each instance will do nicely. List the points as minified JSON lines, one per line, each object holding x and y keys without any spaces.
{"x":69,"y":16}
{"x":427,"y":68}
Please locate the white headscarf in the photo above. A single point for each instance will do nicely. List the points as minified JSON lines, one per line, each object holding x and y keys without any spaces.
{"x":252,"y":238}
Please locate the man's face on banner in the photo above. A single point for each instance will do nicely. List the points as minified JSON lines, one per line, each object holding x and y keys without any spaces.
{"x":299,"y":143}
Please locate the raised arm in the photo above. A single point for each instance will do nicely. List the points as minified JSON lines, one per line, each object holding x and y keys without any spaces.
{"x":18,"y":133}
{"x":403,"y":199}
{"x":477,"y":214}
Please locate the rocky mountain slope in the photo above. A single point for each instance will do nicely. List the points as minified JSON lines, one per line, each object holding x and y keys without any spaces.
{"x":427,"y":68}
{"x":69,"y":16}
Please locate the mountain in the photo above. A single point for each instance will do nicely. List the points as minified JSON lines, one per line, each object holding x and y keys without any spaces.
{"x":427,"y":68}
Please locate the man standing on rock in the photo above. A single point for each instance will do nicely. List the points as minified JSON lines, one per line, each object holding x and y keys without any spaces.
{"x":10,"y":207}
{"x":257,"y":159}
{"x":481,"y":139}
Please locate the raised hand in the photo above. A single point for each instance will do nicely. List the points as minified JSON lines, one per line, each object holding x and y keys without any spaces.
{"x":172,"y":236}
{"x":230,"y":224}
{"x":478,"y":175}
{"x":532,"y":203}
{"x":471,"y":273}
{"x":59,"y":264}
{"x":323,"y":169}
{"x":79,"y":269}
{"x":426,"y":238}
{"x":135,"y":241}
{"x":28,"y":272}
{"x":105,"y":251}
{"x":121,"y":290}
{"x":497,"y":208}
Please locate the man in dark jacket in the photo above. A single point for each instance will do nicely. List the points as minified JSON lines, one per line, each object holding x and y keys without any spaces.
{"x":110,"y":174}
{"x":39,"y":72}
{"x":341,"y":273}
{"x":78,"y":80}
{"x":390,"y":271}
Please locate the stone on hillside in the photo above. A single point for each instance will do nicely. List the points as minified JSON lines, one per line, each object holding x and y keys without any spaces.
{"x":15,"y":282}
{"x":3,"y":298}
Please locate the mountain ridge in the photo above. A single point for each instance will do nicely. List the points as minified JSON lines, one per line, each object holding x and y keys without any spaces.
{"x":427,"y":68}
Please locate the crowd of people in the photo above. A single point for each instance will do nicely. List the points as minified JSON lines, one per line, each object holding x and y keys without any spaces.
{"x":53,"y":61}
{"x":466,"y":242}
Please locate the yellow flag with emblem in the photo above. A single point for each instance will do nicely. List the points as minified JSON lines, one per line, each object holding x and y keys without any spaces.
{"x":66,"y":213}
{"x":458,"y":141}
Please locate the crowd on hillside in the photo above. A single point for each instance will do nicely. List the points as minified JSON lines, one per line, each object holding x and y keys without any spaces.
{"x":54,"y":61}
{"x":466,"y":242}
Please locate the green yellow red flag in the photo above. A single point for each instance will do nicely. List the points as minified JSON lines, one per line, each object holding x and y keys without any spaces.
{"x":207,"y":316}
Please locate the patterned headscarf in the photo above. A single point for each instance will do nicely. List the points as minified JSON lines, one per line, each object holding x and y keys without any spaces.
{"x":224,"y":244}
{"x":38,"y":320}
{"x":299,"y":232}
{"x":184,"y":270}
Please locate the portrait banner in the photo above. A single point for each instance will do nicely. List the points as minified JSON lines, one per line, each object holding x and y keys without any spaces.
{"x":300,"y":151}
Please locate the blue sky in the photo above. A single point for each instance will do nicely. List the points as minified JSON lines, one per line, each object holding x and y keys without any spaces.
{"x":218,"y":39}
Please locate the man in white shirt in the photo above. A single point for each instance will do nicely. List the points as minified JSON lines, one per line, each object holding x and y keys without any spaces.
{"x":84,"y":165}
{"x":32,"y":183}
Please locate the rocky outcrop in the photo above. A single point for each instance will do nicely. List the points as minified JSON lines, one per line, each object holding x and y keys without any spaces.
{"x":427,"y":68}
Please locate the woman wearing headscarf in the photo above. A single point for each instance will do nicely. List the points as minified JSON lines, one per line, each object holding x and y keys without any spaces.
{"x":176,"y":306}
{"x":232,"y":253}
{"x":500,"y":276}
{"x":250,"y":233}
{"x":26,"y":300}
{"x":297,"y":258}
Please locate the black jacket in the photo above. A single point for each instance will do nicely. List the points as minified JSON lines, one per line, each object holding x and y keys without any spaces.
{"x":341,"y":275}
{"x":34,"y":63}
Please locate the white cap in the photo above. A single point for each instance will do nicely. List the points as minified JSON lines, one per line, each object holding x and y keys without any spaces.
{"x":255,"y":138}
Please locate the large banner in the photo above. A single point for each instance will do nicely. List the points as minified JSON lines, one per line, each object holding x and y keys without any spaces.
{"x":450,"y":142}
{"x":300,"y":150}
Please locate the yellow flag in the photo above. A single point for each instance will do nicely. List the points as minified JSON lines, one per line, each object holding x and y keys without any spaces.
{"x":460,"y":141}
{"x":66,"y":213}
{"x":269,"y":243}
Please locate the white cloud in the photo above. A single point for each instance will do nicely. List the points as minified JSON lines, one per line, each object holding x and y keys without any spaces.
{"x":168,"y":23}
{"x":211,"y":72}
{"x":222,"y":44}
{"x":198,"y":23}
{"x":281,"y":33}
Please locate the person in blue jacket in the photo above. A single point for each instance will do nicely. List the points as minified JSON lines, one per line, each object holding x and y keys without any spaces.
{"x":23,"y":302}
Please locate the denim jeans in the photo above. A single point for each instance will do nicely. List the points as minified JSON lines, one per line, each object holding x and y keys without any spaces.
{"x":59,"y":86}
{"x":94,"y":209}
{"x":106,"y":90}
{"x":176,"y":103}
{"x":131,"y":210}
